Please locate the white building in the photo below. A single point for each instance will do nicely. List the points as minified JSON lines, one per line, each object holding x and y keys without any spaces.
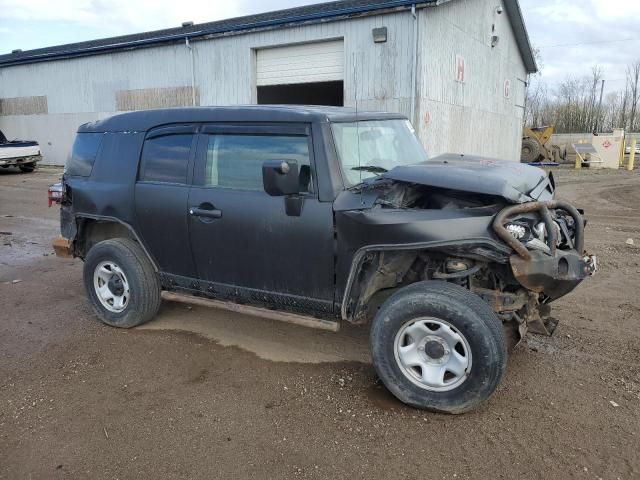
{"x":456,"y":68}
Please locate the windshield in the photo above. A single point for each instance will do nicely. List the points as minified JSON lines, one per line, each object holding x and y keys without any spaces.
{"x":370,"y":147}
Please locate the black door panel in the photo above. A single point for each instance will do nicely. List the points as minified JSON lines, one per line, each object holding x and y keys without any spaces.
{"x":162,"y":197}
{"x":162,"y":217}
{"x":254,"y":244}
{"x":242,"y":237}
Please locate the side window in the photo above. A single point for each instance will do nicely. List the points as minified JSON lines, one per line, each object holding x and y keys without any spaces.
{"x":83,"y":154}
{"x":165,"y":159}
{"x":235,"y":161}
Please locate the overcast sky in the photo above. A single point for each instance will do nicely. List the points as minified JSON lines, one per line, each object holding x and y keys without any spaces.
{"x":572,"y":35}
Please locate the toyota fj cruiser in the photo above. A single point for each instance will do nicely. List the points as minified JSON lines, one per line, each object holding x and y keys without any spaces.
{"x":329,"y":214}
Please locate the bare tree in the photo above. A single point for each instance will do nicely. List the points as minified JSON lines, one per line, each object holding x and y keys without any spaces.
{"x":535,"y":103}
{"x":623,"y":118}
{"x":592,"y":113}
{"x":633,"y":83}
{"x":573,"y":107}
{"x":610,"y":111}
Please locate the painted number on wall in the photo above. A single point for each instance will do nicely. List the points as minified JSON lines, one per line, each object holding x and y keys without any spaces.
{"x":507,"y":88}
{"x":460,"y":69}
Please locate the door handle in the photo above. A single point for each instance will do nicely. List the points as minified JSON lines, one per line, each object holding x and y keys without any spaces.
{"x":206,"y":213}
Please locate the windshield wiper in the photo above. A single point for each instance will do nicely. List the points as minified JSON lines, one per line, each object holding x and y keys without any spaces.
{"x":370,"y":168}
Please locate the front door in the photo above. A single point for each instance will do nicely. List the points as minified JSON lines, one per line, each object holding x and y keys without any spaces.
{"x":244,"y":244}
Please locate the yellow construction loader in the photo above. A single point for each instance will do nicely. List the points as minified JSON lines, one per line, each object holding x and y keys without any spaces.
{"x":534,"y":146}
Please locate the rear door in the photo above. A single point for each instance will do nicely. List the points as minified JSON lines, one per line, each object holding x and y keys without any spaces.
{"x":162,"y":194}
{"x":244,"y":244}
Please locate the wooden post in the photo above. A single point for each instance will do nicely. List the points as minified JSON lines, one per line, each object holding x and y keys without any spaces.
{"x":578,"y":158}
{"x":632,"y":154}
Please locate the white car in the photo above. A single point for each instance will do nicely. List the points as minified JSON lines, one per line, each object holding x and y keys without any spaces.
{"x":627,"y":149}
{"x":19,"y":153}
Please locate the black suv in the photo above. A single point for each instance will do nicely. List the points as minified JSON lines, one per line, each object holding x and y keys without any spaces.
{"x":331,"y":215}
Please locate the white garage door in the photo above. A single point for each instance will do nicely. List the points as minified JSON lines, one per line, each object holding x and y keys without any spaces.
{"x":311,"y":62}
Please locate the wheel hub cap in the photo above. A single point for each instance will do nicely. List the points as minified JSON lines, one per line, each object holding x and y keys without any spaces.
{"x":433,"y":354}
{"x":115,"y":285}
{"x":434,"y":350}
{"x":111,"y":286}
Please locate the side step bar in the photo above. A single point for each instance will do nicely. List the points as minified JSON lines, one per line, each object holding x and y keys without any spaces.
{"x":300,"y":320}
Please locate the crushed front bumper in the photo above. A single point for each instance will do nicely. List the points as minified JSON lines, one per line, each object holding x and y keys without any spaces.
{"x":551,"y":274}
{"x":556,"y":272}
{"x":556,"y":275}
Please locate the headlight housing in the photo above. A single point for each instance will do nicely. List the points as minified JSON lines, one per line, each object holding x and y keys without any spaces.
{"x":518,"y":231}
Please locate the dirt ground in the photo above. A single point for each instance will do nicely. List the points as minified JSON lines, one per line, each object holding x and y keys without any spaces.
{"x":202,"y":393}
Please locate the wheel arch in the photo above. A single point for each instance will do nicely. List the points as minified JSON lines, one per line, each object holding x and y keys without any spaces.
{"x":92,"y":229}
{"x":377,"y":271}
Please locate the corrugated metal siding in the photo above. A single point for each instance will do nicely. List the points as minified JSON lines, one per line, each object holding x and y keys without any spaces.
{"x":473,"y":117}
{"x":225,"y":73}
{"x":90,"y":84}
{"x":309,"y":62}
{"x":222,"y":81}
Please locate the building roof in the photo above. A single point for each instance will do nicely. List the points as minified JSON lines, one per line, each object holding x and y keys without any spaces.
{"x":143,"y":120}
{"x":306,"y":14}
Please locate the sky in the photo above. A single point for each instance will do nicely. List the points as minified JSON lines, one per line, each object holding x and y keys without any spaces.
{"x":572,"y":35}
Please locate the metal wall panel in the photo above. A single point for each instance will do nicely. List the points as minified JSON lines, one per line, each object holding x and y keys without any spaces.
{"x":89,"y":84}
{"x":471,"y":117}
{"x":376,"y":76}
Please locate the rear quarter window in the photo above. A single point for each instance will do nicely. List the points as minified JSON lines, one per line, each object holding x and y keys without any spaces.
{"x":83,"y":154}
{"x":165,"y":159}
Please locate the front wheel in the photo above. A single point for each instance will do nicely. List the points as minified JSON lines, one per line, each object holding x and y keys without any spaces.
{"x":438,"y":346}
{"x":121,"y":283}
{"x":27,"y":167}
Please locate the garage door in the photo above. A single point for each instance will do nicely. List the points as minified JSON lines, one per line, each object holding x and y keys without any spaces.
{"x":311,"y":62}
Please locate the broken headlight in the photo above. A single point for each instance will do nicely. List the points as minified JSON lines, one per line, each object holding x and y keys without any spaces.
{"x":539,"y":240}
{"x":519,"y":232}
{"x":529,"y":232}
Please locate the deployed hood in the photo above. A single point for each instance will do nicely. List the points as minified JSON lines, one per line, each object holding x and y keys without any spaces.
{"x":515,"y":182}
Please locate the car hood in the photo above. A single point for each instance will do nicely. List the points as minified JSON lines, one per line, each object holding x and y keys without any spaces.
{"x":515,"y":182}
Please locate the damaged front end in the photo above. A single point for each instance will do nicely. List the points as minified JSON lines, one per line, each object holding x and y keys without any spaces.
{"x":548,"y":238}
{"x":518,"y":257}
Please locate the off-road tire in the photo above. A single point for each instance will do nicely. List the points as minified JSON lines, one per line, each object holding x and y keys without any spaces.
{"x":469,"y":315}
{"x":144,"y":284}
{"x":531,"y":150}
{"x":563,"y":153}
{"x":27,"y":168}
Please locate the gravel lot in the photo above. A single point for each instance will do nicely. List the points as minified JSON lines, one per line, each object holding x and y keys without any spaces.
{"x":202,"y":393}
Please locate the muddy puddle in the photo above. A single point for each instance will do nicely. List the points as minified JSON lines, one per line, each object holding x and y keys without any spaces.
{"x":268,"y":339}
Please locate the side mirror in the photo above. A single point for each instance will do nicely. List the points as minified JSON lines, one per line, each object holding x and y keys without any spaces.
{"x":280,"y":177}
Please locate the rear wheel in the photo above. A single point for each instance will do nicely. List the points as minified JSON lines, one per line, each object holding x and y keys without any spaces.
{"x":438,"y":346}
{"x":28,"y":167}
{"x":531,"y":150}
{"x":121,"y":283}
